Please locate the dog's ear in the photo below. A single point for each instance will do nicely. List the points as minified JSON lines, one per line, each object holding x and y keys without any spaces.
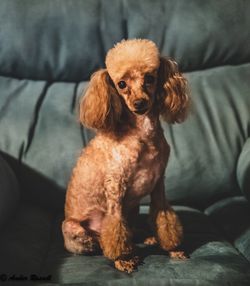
{"x":100,"y":106}
{"x":172,"y":92}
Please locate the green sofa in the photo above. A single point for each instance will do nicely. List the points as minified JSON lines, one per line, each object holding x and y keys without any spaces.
{"x":48,"y":50}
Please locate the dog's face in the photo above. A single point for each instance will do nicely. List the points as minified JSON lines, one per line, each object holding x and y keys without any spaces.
{"x":137,"y":75}
{"x":133,"y":68}
{"x":138,"y":90}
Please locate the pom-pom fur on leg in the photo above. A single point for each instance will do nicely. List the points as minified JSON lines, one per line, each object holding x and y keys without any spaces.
{"x":115,"y":240}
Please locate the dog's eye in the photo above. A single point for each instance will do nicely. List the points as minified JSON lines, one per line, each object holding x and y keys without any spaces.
{"x":149,"y":79}
{"x":122,"y":84}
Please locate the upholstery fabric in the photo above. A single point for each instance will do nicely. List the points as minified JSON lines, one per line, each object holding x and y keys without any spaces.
{"x":52,"y":109}
{"x":9,"y":192}
{"x":213,"y":260}
{"x":68,"y":39}
{"x":232,"y":215}
{"x":207,"y":146}
{"x":243,"y":169}
{"x":194,"y":33}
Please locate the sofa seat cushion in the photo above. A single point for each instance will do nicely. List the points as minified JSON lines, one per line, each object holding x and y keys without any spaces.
{"x":213,"y":260}
{"x":32,"y":244}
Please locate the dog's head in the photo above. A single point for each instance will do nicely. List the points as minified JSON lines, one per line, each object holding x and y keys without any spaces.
{"x":136,"y":77}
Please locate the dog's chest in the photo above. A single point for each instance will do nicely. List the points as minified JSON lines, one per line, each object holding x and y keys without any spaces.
{"x":146,"y":170}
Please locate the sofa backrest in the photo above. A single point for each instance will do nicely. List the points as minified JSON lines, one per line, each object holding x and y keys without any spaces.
{"x":49,"y":49}
{"x":67,"y":40}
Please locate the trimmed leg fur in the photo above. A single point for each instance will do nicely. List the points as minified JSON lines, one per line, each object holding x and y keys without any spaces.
{"x":168,"y":228}
{"x":76,"y":239}
{"x":165,"y":221}
{"x":115,"y":238}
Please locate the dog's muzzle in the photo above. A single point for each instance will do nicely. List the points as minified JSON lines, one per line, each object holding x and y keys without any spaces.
{"x":141,"y":106}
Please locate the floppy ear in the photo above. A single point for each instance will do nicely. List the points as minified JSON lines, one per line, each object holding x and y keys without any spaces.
{"x":100,"y":106}
{"x":172,"y":86}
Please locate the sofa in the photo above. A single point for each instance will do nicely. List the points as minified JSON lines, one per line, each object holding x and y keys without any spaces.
{"x":48,"y":51}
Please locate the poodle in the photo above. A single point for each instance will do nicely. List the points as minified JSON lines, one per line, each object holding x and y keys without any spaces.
{"x":127,"y":158}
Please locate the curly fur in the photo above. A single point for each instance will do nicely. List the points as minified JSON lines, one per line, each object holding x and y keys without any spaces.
{"x":113,"y":245}
{"x":100,"y":107}
{"x":171,"y":86}
{"x":168,"y":229}
{"x":127,"y":158}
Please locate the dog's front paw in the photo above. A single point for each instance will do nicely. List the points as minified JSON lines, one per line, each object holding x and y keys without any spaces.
{"x":180,"y":255}
{"x":127,"y":265}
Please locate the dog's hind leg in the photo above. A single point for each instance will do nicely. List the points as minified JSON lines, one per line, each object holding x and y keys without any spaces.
{"x":78,"y":239}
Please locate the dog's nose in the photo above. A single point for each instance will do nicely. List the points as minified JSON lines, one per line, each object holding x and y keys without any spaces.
{"x":140,"y":104}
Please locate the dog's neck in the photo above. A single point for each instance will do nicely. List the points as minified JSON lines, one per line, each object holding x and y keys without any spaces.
{"x":147,"y":125}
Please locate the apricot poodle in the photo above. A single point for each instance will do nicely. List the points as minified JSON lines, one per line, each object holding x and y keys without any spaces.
{"x":127,"y":158}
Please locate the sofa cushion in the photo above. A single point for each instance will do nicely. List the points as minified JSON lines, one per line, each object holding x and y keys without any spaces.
{"x":206,"y":147}
{"x":243,"y":169}
{"x":19,"y":101}
{"x":39,"y":128}
{"x":67,"y":40}
{"x":9,"y":192}
{"x":213,"y":260}
{"x":33,"y":245}
{"x":57,"y":40}
{"x":48,"y":138}
{"x":192,"y":33}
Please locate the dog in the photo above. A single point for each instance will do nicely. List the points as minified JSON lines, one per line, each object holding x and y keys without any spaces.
{"x":127,"y":158}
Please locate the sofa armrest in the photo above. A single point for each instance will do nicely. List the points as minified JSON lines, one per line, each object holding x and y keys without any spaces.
{"x":9,"y":192}
{"x":243,"y":170}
